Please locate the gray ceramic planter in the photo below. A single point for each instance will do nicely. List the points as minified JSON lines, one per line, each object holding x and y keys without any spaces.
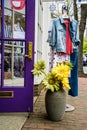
{"x":55,"y":104}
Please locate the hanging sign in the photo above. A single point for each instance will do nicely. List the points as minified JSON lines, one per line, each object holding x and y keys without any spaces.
{"x":81,"y":1}
{"x":17,"y":4}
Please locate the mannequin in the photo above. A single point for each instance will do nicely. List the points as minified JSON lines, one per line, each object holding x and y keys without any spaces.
{"x":64,"y":42}
{"x":59,"y":55}
{"x":74,"y":60}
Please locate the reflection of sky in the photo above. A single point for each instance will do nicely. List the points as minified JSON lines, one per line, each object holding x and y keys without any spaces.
{"x":7,"y":4}
{"x":8,"y":12}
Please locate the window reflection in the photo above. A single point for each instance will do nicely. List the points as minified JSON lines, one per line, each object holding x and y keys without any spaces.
{"x":8,"y":24}
{"x":0,"y":63}
{"x":19,"y":25}
{"x":14,"y":27}
{"x":14,"y":22}
{"x":14,"y":63}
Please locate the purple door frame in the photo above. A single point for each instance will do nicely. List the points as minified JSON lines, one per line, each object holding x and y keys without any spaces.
{"x":23,"y":96}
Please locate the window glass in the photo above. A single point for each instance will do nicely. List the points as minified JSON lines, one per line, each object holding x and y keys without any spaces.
{"x":7,"y":4}
{"x":14,"y":27}
{"x":14,"y":63}
{"x":0,"y":18}
{"x":0,"y":63}
{"x":19,"y":25}
{"x":14,"y":21}
{"x":8,"y":23}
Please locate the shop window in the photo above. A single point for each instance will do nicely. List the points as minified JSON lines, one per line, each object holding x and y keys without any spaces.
{"x":14,"y":63}
{"x":8,"y":23}
{"x":14,"y":22}
{"x":19,"y":25}
{"x":13,"y":27}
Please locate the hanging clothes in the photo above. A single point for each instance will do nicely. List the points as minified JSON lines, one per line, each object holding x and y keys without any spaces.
{"x":58,"y":34}
{"x":73,"y":79}
{"x":54,"y":58}
{"x":64,"y":41}
{"x":69,"y":48}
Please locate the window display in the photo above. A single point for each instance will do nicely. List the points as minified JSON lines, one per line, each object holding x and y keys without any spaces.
{"x":14,"y":24}
{"x":14,"y":27}
{"x":14,"y":62}
{"x":19,"y":25}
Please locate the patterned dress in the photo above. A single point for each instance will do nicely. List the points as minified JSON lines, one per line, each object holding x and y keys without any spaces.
{"x":54,"y":57}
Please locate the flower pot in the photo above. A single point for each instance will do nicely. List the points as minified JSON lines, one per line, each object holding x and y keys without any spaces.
{"x":55,"y":104}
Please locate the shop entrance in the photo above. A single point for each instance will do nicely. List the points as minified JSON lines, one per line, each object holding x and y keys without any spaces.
{"x":16,"y":55}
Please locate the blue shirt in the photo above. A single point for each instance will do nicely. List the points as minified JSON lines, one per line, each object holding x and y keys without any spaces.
{"x":58,"y":34}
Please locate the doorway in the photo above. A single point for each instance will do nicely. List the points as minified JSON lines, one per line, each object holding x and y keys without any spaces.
{"x":16,"y":56}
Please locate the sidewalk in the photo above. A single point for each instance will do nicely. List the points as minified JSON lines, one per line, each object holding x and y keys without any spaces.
{"x":12,"y":121}
{"x":75,"y":120}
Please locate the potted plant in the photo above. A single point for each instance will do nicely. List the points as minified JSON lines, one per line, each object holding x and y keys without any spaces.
{"x":55,"y":83}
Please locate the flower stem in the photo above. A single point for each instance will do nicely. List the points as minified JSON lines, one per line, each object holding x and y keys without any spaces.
{"x":43,"y":72}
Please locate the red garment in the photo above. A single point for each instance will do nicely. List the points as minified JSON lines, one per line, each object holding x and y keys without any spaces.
{"x":69,"y":48}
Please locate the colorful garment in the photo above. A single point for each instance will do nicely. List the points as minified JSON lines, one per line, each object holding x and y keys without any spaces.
{"x":54,"y":58}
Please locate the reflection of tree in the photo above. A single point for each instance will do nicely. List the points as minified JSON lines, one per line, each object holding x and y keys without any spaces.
{"x":83,"y":17}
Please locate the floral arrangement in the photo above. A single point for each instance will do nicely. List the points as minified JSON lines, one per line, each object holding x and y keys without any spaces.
{"x":55,"y":80}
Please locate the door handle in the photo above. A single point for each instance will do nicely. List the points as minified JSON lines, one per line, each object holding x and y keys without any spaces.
{"x":29,"y":55}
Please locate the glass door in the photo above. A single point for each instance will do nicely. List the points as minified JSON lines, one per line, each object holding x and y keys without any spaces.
{"x":14,"y":51}
{"x":16,"y":55}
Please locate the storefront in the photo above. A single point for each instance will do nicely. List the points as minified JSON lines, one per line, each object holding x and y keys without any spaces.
{"x":16,"y":55}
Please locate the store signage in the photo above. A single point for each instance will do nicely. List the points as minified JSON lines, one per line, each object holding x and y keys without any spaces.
{"x":17,"y":4}
{"x":81,"y":1}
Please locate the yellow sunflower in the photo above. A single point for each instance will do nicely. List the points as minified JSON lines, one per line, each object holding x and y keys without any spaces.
{"x":39,"y":68}
{"x":65,"y":83}
{"x":61,"y":71}
{"x":55,"y":80}
{"x":51,"y":82}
